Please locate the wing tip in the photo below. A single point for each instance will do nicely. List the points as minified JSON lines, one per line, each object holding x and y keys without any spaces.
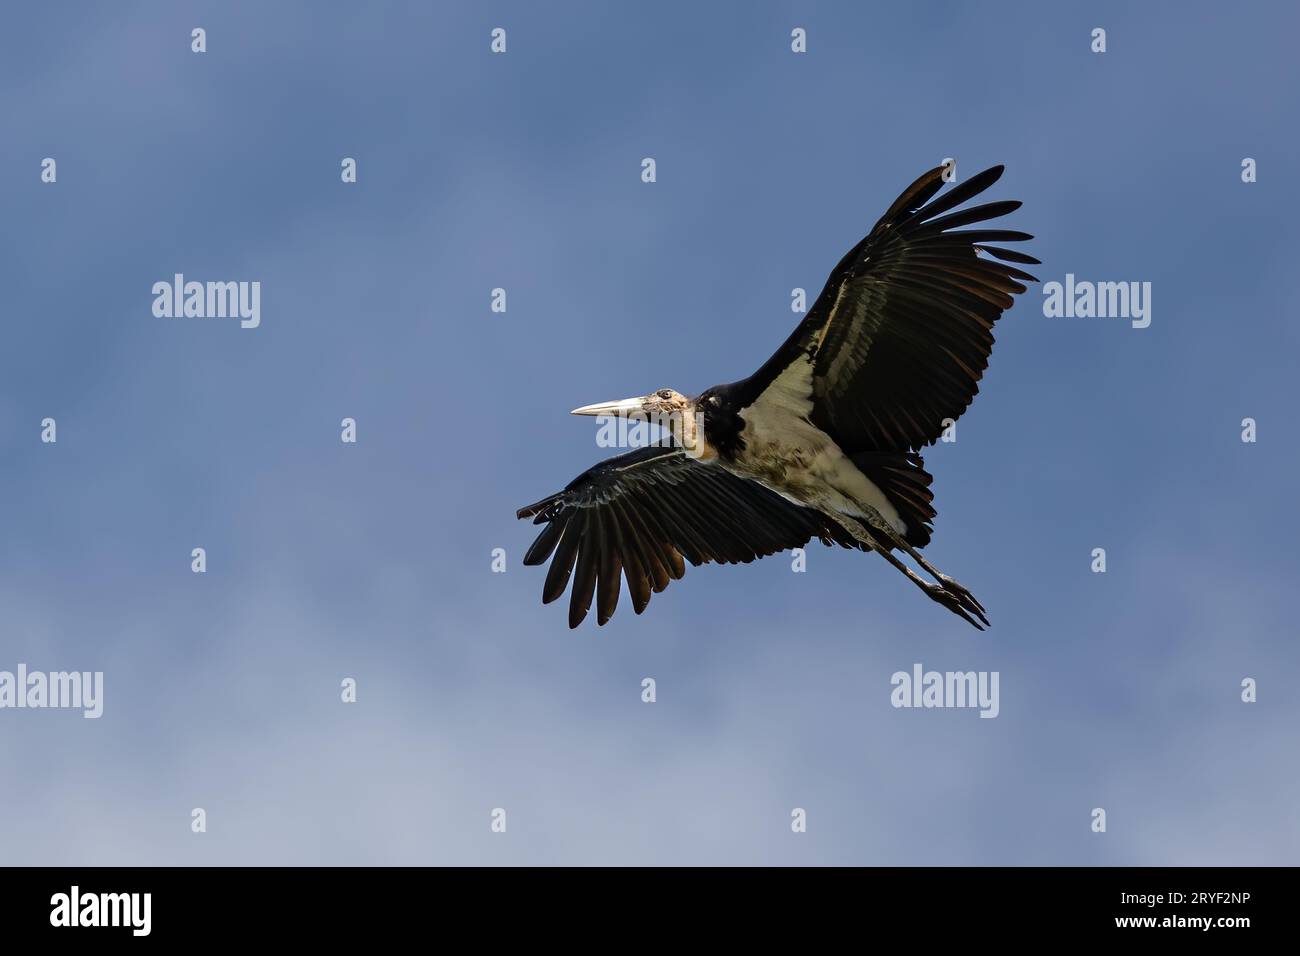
{"x":529,"y":511}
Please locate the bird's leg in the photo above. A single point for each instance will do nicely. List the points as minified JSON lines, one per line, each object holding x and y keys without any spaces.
{"x":950,"y":599}
{"x":950,"y":584}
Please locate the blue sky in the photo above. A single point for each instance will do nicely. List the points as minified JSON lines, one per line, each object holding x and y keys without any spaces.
{"x":372,"y":561}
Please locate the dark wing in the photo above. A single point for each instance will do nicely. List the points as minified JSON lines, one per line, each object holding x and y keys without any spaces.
{"x":902,"y":332}
{"x":645,"y":514}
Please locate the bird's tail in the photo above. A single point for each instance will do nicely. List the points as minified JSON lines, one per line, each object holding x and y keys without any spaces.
{"x":905,"y":482}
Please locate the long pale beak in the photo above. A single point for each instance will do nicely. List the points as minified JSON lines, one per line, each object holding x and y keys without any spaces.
{"x":624,"y":407}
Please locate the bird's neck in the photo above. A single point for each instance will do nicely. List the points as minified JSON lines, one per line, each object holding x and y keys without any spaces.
{"x":692,"y":434}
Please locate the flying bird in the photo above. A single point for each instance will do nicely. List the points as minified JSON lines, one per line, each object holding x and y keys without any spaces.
{"x":823,"y":440}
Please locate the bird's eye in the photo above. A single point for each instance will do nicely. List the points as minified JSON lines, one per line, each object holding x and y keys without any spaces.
{"x":665,"y":393}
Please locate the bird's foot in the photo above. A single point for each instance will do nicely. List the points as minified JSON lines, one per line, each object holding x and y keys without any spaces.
{"x":963,"y":592}
{"x":958,"y":600}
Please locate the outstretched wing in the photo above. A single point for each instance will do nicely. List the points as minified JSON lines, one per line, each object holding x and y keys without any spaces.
{"x":645,"y":514}
{"x":898,"y":339}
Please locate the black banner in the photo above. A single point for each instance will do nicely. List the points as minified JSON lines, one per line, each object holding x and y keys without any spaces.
{"x":333,"y":905}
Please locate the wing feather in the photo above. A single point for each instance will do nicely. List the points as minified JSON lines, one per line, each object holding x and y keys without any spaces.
{"x":645,"y":514}
{"x":902,"y":332}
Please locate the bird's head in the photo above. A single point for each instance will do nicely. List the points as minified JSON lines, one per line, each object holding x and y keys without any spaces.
{"x":668,"y":408}
{"x":663,"y":403}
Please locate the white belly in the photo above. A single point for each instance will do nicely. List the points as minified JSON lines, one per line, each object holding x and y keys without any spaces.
{"x":790,"y":455}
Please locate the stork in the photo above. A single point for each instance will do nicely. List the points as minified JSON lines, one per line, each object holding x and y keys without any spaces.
{"x":821,"y":442}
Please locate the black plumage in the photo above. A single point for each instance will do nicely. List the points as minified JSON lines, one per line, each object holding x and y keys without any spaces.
{"x":903,"y":328}
{"x":647,"y":510}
